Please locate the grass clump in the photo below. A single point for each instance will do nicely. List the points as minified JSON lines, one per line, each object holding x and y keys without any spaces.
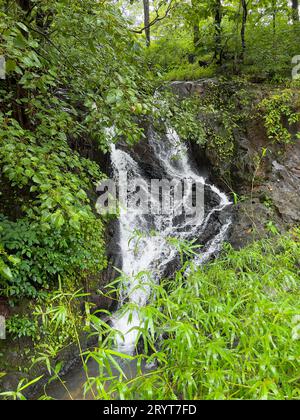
{"x":190,"y":72}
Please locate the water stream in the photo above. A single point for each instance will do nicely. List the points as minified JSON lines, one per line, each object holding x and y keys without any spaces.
{"x":144,"y":239}
{"x":152,"y":252}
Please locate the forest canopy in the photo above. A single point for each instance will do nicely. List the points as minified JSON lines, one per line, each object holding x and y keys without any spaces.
{"x":253,"y":37}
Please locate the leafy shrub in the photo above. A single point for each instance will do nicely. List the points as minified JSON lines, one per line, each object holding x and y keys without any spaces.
{"x":279,"y":111}
{"x":20,"y":327}
{"x":167,"y":53}
{"x":5,"y":259}
{"x":70,"y":77}
{"x":46,"y":254}
{"x":183,"y":116}
{"x":59,"y":232}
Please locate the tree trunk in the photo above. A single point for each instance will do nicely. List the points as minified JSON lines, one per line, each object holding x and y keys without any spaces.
{"x":147,"y":22}
{"x":196,"y":37}
{"x":21,"y":93}
{"x":274,"y":15}
{"x":243,"y":30}
{"x":295,"y":10}
{"x":218,"y":31}
{"x":196,"y":29}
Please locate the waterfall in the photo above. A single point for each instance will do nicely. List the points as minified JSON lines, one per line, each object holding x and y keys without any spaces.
{"x":144,"y":243}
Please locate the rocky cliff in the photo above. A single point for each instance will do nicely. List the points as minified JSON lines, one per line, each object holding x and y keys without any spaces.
{"x":263,"y":177}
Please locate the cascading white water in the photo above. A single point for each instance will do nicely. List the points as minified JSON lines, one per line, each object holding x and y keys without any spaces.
{"x":148,"y":253}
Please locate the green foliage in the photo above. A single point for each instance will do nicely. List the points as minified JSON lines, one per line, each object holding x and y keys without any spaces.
{"x":168,"y":53}
{"x":219,"y":113}
{"x":190,"y":72}
{"x":279,"y":115}
{"x":192,"y":32}
{"x":19,"y":327}
{"x":223,"y":146}
{"x":69,"y":79}
{"x":5,"y":260}
{"x":61,"y":324}
{"x":183,"y":116}
{"x":91,"y":58}
{"x":77,"y":79}
{"x":18,"y":394}
{"x":211,"y":117}
{"x":58,"y":232}
{"x":269,"y":50}
{"x":186,"y":249}
{"x":229,"y":331}
{"x":50,"y":323}
{"x":46,"y":254}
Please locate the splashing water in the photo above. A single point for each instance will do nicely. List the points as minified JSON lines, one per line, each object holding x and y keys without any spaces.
{"x":146,"y":255}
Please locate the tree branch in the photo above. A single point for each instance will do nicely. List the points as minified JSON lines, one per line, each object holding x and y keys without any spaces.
{"x":156,"y":19}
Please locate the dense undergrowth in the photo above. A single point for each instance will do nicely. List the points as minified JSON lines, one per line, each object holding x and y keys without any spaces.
{"x":229,"y":330}
{"x":72,"y":72}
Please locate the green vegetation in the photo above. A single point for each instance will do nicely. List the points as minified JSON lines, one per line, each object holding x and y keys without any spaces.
{"x":82,"y":75}
{"x":278,"y":109}
{"x":203,"y":38}
{"x":59,"y":98}
{"x":231,"y":330}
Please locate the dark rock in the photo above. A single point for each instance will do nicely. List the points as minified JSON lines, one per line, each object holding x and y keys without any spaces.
{"x":203,"y":64}
{"x":100,"y":302}
{"x":271,"y":190}
{"x":191,"y":58}
{"x":184,"y":89}
{"x":4,"y":307}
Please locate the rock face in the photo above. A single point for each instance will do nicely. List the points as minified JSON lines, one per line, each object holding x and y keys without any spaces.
{"x":285,"y":186}
{"x":273,"y":195}
{"x":185,"y":89}
{"x":152,"y":168}
{"x":143,"y":154}
{"x":4,"y":307}
{"x":268,"y":187}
